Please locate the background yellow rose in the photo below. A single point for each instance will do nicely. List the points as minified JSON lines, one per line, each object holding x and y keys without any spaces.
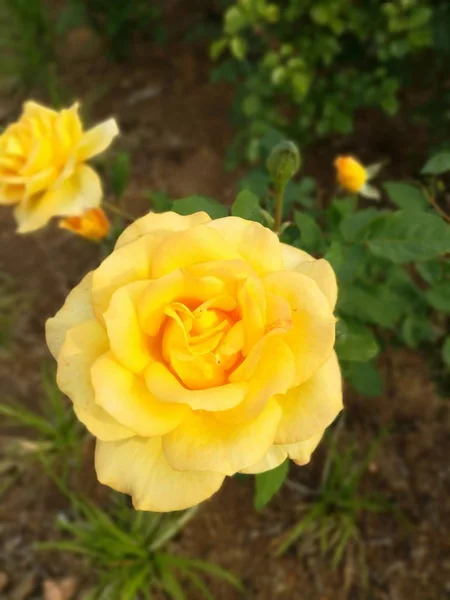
{"x":196,"y":350}
{"x":42,"y":168}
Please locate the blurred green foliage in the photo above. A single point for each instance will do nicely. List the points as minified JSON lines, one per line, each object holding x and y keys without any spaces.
{"x":304,"y":68}
{"x":115,"y":22}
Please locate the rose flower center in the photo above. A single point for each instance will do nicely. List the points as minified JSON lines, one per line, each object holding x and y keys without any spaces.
{"x":202,"y":344}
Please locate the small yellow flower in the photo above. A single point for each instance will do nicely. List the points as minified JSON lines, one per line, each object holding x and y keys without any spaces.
{"x":354,"y":177}
{"x":93,"y":224}
{"x":198,"y":349}
{"x":42,"y":165}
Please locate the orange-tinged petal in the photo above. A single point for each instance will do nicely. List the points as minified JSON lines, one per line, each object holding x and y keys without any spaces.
{"x":138,"y":467}
{"x":312,"y":334}
{"x":252,"y":306}
{"x":76,"y":309}
{"x":197,"y":244}
{"x":176,"y":286}
{"x":161,"y":224}
{"x":166,"y":387}
{"x":92,"y":225}
{"x":125,"y":265}
{"x":96,"y":140}
{"x":131,"y":347}
{"x":351,"y":174}
{"x":254,"y":242}
{"x":126,"y":398}
{"x":309,"y":408}
{"x":203,"y":443}
{"x":83,"y":344}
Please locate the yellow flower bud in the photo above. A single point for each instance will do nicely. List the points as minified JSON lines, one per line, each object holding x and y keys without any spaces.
{"x":351,"y":174}
{"x":92,"y":225}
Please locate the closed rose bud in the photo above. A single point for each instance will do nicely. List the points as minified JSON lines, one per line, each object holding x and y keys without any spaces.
{"x":42,"y":165}
{"x":93,"y":224}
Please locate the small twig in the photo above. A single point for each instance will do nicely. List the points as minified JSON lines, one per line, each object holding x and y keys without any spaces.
{"x":432,"y":200}
{"x":119,"y":211}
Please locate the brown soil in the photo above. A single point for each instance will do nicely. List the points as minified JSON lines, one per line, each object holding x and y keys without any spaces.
{"x":176,"y":126}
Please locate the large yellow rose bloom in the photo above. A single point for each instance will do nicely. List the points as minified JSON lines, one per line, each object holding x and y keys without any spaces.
{"x":196,"y":350}
{"x":42,"y":165}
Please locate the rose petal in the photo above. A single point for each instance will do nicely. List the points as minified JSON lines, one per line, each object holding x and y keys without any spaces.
{"x":138,"y":467}
{"x":126,"y":398}
{"x":203,"y":443}
{"x":309,"y":408}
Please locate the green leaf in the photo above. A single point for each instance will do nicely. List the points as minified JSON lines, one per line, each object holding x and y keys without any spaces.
{"x":430,"y":270}
{"x":355,"y":225}
{"x":120,"y":173}
{"x":438,"y":164}
{"x":446,"y":351}
{"x":311,"y":234}
{"x":160,"y":201}
{"x":217,"y":48}
{"x":192,"y":204}
{"x":416,"y":330}
{"x":439,"y":296}
{"x":406,"y":196}
{"x":407,"y":236}
{"x":355,"y":341}
{"x":365,"y":378}
{"x":235,"y":20}
{"x":376,"y":304}
{"x":238,"y":47}
{"x":247,"y":206}
{"x":268,"y":484}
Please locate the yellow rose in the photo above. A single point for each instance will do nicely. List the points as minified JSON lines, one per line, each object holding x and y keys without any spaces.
{"x":196,"y":350}
{"x":93,"y":224}
{"x":42,"y":167}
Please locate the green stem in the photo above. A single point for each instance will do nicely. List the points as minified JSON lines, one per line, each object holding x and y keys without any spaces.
{"x":279,"y":201}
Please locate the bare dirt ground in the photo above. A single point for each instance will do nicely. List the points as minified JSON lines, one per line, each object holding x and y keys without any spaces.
{"x":175,"y":124}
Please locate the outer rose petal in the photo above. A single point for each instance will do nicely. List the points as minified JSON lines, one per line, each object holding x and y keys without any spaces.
{"x":322,"y":273}
{"x":272,"y":459}
{"x":203,"y":443}
{"x":254,"y":242}
{"x":160,"y":224}
{"x":293,"y":257}
{"x":301,"y":452}
{"x":126,"y":265}
{"x":309,"y":408}
{"x":126,"y":398}
{"x":76,"y":309}
{"x":83,"y":344}
{"x":138,"y":467}
{"x":96,"y":140}
{"x":190,"y":247}
{"x":79,"y":192}
{"x":312,"y":335}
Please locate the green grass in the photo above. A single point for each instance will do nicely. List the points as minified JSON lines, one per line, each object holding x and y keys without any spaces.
{"x":127,"y":551}
{"x":13,"y":305}
{"x":57,"y":435}
{"x":332,"y":519}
